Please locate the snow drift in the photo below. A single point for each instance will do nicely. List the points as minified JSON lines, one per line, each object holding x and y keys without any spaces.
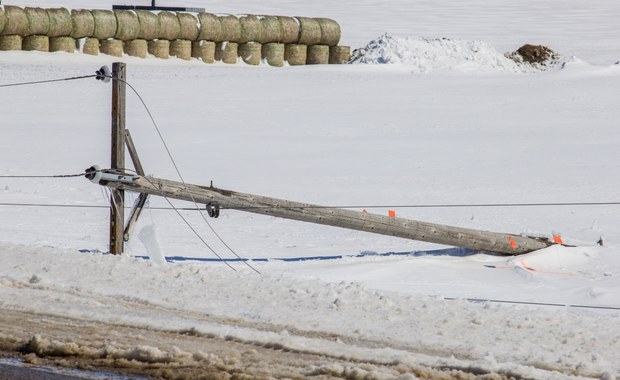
{"x":439,"y":54}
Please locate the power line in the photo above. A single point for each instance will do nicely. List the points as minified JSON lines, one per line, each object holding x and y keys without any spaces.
{"x":48,"y":81}
{"x":310,"y":207}
{"x":479,"y":300}
{"x":49,"y":176}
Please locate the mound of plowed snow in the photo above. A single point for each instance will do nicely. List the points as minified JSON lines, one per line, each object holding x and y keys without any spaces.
{"x":440,"y":54}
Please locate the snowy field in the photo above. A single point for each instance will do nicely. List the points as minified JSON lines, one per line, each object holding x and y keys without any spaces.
{"x":421,"y":121}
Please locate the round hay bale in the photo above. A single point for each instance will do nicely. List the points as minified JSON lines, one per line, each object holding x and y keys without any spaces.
{"x":210,"y":27}
{"x":60,"y":22}
{"x":231,"y":28}
{"x":111,"y":47}
{"x":91,"y":46}
{"x":16,"y":21}
{"x":250,"y":53}
{"x":64,"y":44}
{"x":250,"y":29}
{"x":204,"y":50}
{"x":339,"y":54}
{"x":2,"y":20}
{"x":127,"y":25}
{"x":169,"y":26}
{"x":330,"y":32}
{"x":271,"y":30}
{"x":309,"y":31}
{"x":181,"y":49}
{"x":136,"y":48}
{"x":226,"y":52}
{"x":105,"y":25}
{"x":189,"y":26}
{"x":83,"y":24}
{"x":160,"y":48}
{"x":290,"y":29}
{"x":13,"y":42}
{"x":149,"y":25}
{"x":295,"y":54}
{"x":38,"y":21}
{"x":36,"y":43}
{"x":273,"y":53}
{"x":318,"y":55}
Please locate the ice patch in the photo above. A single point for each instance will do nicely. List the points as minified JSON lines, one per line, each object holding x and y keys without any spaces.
{"x":440,"y":54}
{"x":148,"y":237}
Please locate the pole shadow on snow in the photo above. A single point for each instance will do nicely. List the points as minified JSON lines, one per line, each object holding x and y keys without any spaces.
{"x":453,"y":252}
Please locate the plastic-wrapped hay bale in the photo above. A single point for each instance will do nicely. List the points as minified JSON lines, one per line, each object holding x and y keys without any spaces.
{"x":83,"y":24}
{"x":295,"y":54}
{"x":64,"y":44}
{"x":204,"y":50}
{"x":271,"y":29}
{"x":91,"y":46}
{"x":38,"y":21}
{"x":339,"y":54}
{"x":290,"y":29}
{"x":149,"y":25}
{"x":273,"y":53}
{"x":60,"y":22}
{"x":181,"y":49}
{"x":330,"y":32}
{"x":105,"y":24}
{"x":226,"y":52}
{"x":210,"y":27}
{"x":189,"y":26}
{"x":111,"y":47}
{"x":231,"y":28}
{"x":169,"y":26}
{"x":36,"y":43}
{"x":250,"y":29}
{"x":318,"y":55}
{"x":250,"y":53}
{"x":16,"y":21}
{"x":127,"y":25}
{"x":2,"y":20}
{"x":160,"y":48}
{"x":136,"y":48}
{"x":13,"y":42}
{"x":309,"y":31}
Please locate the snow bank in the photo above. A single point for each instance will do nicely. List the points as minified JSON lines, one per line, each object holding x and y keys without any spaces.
{"x":282,"y":312}
{"x":438,"y":54}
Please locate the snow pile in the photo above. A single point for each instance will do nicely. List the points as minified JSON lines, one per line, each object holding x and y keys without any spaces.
{"x":439,"y":54}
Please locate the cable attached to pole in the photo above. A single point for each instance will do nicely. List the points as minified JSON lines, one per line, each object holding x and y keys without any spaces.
{"x":179,"y":171}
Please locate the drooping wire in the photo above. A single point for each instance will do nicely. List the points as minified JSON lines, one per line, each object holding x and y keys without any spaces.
{"x":161,"y":137}
{"x":188,"y":224}
{"x":48,"y":81}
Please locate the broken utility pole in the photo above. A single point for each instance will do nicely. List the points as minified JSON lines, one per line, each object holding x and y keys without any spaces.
{"x":361,"y":221}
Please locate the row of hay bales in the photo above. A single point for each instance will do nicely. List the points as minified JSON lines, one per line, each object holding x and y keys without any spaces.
{"x":185,"y":35}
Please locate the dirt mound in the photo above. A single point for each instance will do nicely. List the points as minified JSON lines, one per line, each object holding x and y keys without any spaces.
{"x":538,"y":56}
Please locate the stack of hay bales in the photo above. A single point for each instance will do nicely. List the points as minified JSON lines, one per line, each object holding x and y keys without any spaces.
{"x":275,"y":40}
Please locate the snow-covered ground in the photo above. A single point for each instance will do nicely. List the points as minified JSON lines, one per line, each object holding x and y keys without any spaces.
{"x":445,"y":122}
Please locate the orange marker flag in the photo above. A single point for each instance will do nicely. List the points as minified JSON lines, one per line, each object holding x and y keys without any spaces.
{"x":513,"y":243}
{"x":392,"y":213}
{"x":557,"y":239}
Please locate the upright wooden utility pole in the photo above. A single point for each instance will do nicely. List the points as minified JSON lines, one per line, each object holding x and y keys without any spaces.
{"x":117,"y":197}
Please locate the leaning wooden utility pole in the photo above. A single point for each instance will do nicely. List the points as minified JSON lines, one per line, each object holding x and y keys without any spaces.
{"x":117,"y":197}
{"x":410,"y":229}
